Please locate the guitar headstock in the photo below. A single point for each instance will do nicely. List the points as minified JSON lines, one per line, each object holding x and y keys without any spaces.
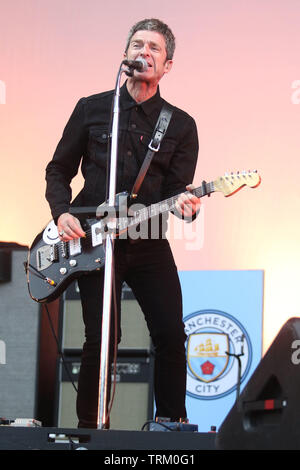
{"x":230,"y":183}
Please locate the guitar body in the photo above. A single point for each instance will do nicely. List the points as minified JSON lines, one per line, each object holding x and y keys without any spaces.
{"x":52,"y":264}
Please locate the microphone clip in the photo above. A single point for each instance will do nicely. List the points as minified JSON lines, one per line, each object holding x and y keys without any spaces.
{"x":129,"y":71}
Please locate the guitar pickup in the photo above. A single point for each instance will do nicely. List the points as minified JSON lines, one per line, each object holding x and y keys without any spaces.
{"x":75,"y":246}
{"x":64,"y":249}
{"x":96,"y":230}
{"x":53,"y":253}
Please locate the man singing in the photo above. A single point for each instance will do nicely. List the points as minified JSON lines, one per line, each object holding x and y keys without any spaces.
{"x":146,"y":264}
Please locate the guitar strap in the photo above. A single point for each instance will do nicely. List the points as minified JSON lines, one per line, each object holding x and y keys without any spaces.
{"x":154,"y":146}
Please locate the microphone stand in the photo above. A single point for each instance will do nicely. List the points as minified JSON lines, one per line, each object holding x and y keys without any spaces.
{"x":102,"y":418}
{"x":239,"y":374}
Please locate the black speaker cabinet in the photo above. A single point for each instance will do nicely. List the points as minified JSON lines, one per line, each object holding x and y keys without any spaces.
{"x":19,"y":336}
{"x":133,"y":399}
{"x":267,"y":414}
{"x":135,"y":333}
{"x":133,"y":402}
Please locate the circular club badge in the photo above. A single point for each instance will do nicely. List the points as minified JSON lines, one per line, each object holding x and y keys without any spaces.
{"x":216,"y":343}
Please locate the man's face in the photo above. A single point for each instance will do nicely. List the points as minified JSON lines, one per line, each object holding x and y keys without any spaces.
{"x":151,"y":46}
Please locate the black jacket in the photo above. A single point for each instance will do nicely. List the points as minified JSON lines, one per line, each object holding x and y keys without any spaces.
{"x":85,"y":141}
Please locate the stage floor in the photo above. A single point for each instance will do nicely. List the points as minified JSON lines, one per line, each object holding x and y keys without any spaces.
{"x":40,"y":438}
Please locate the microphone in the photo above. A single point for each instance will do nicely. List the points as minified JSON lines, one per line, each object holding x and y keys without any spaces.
{"x":139,"y":64}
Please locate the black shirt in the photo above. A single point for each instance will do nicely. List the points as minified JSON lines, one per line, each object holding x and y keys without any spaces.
{"x":85,"y":141}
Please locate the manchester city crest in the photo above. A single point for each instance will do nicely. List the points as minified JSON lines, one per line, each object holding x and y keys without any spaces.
{"x":206,"y":353}
{"x":214,"y":338}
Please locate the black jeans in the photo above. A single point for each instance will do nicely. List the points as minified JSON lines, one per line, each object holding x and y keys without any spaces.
{"x":149,"y":269}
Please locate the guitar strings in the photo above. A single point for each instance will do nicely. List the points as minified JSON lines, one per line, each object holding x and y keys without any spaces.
{"x":142,"y":215}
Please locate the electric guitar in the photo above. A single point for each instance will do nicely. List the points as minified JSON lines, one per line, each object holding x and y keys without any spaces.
{"x":53,"y":264}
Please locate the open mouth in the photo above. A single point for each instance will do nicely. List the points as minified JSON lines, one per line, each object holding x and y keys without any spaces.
{"x":147,"y":62}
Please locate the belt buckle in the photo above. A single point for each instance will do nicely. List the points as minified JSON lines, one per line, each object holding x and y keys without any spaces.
{"x":154,"y":149}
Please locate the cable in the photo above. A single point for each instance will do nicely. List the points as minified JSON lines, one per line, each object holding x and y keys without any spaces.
{"x":115,"y":339}
{"x":60,"y":353}
{"x":159,"y":423}
{"x":109,"y":407}
{"x":114,"y":303}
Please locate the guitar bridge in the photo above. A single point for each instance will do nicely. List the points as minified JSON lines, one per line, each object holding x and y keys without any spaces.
{"x":45,"y":256}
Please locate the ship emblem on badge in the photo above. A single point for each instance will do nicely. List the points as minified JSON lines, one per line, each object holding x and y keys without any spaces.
{"x":207,"y":357}
{"x":213,"y":338}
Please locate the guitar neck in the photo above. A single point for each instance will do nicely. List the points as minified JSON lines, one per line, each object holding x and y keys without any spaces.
{"x":168,"y":204}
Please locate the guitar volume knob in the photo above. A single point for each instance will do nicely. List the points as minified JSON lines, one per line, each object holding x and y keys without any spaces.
{"x":63,"y":271}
